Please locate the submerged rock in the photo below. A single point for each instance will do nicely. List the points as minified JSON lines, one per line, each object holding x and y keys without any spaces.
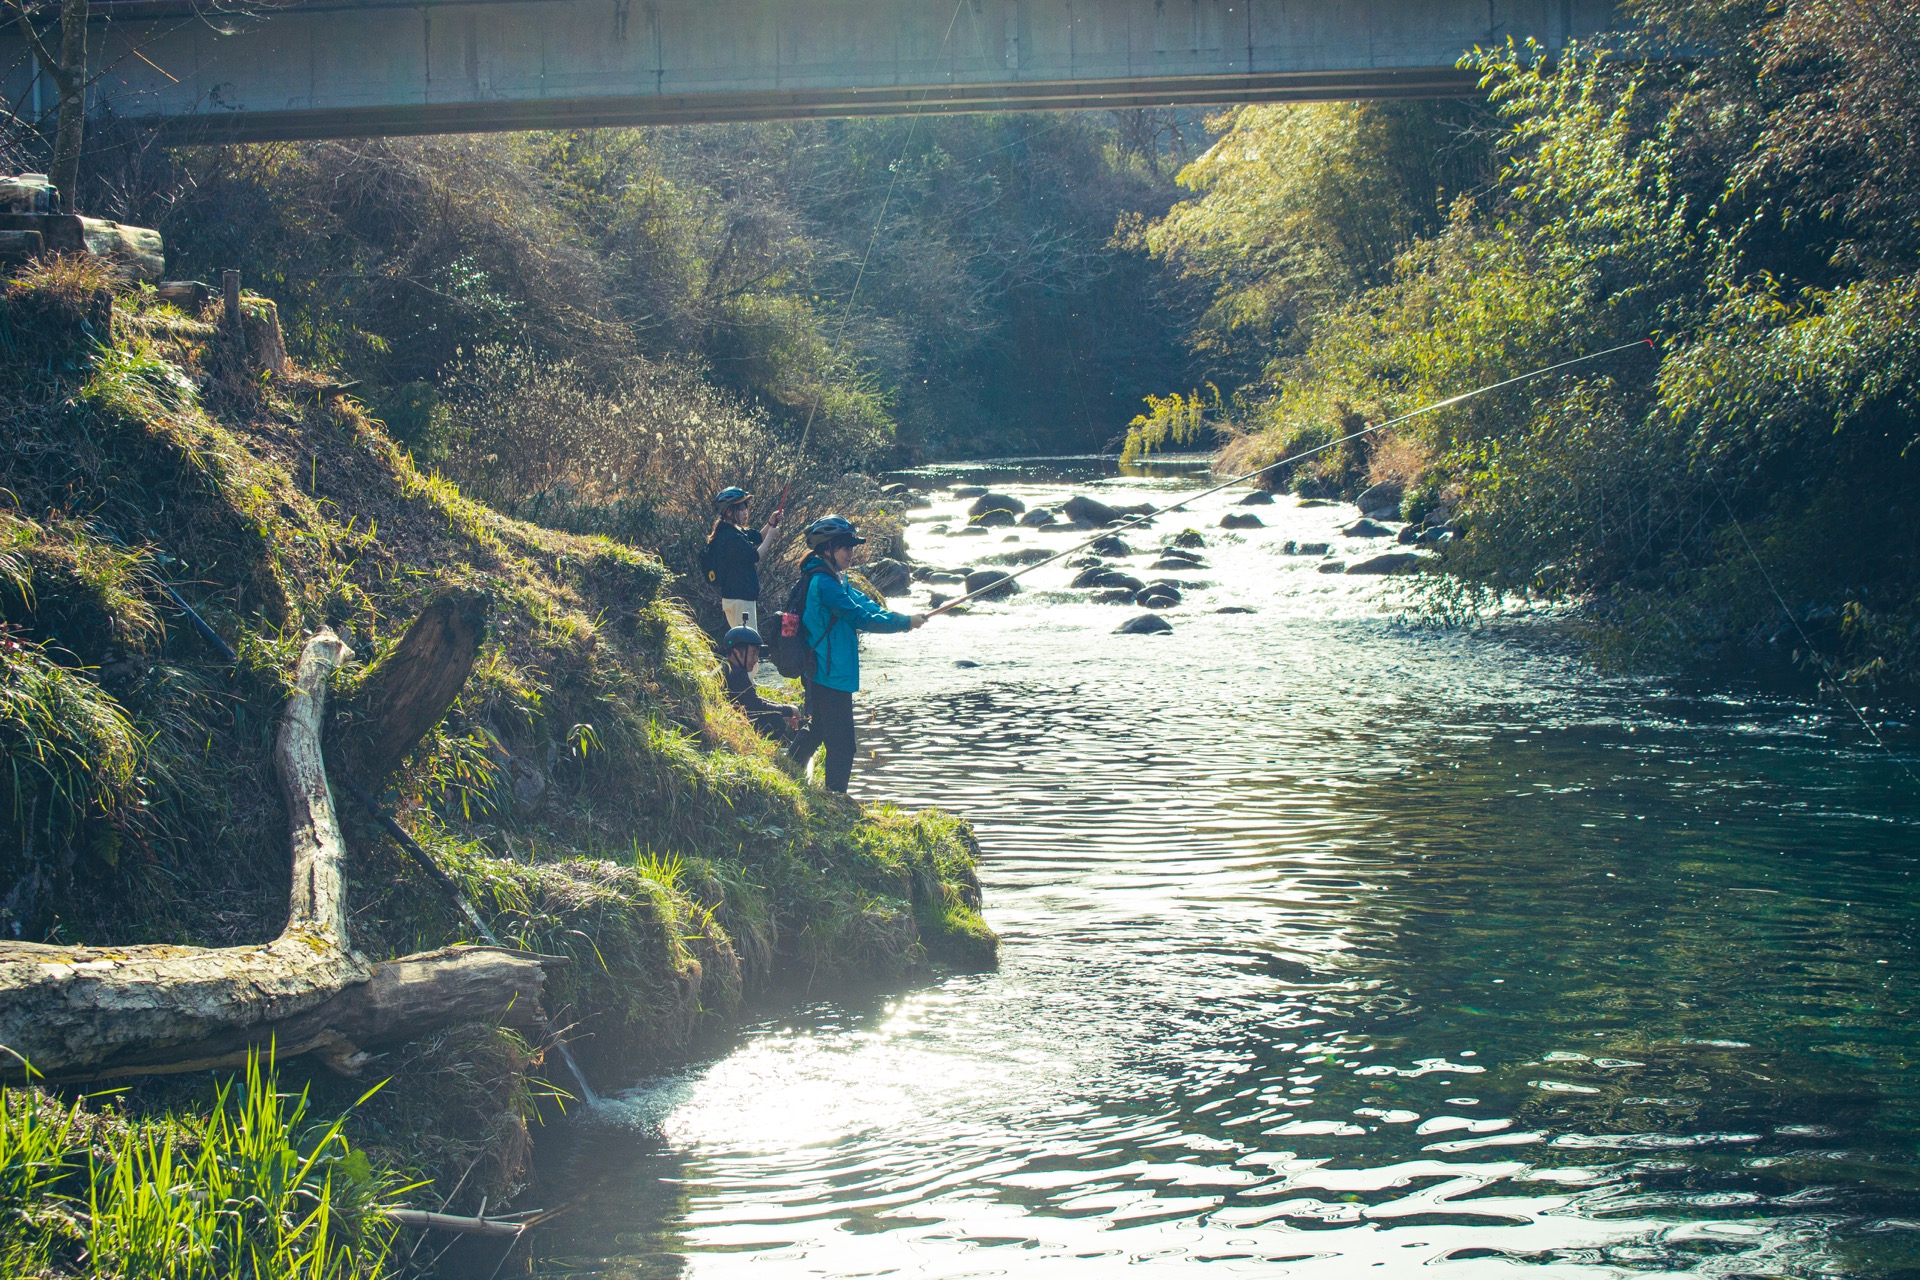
{"x":1118,"y":595}
{"x":1160,"y":597}
{"x":1392,"y":562}
{"x":1258,"y":498}
{"x":1037,"y":517}
{"x":969,"y":490}
{"x":971,"y":531}
{"x":996,"y":502}
{"x":1145,"y":625}
{"x":1239,"y":520}
{"x":1080,"y":507}
{"x":1106,"y":577}
{"x":1233,"y":608}
{"x":1366,"y":529}
{"x":983,"y":580}
{"x":1293,"y":548}
{"x":995,"y":518}
{"x":1332,"y":566}
{"x":1026,"y":555}
{"x":1187,"y":538}
{"x":1174,"y":562}
{"x":1318,"y":502}
{"x":1110,"y":546}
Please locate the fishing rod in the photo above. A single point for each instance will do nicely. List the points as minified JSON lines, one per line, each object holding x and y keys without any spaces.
{"x":1437,"y":405}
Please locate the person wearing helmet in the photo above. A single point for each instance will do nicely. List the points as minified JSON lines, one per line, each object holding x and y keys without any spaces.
{"x":732,"y":557}
{"x":833,"y":613}
{"x":773,"y":719}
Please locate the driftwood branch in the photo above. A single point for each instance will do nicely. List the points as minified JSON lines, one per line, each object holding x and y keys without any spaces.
{"x":411,"y":687}
{"x":93,"y":1012}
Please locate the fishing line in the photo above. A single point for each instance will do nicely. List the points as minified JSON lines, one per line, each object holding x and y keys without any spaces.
{"x":1305,"y":453}
{"x":1826,"y":668}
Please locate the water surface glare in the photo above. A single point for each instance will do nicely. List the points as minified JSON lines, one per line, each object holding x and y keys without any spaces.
{"x":1331,"y":947}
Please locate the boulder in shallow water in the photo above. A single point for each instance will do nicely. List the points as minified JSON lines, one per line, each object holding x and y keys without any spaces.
{"x":1392,"y":562}
{"x":1242,"y":520}
{"x":1332,"y":566}
{"x":1113,"y":595}
{"x":1293,"y":548}
{"x":1318,"y":502}
{"x":994,"y":519}
{"x":1380,"y":499}
{"x":1080,"y":507}
{"x":1189,"y":538}
{"x":1145,"y":625}
{"x":969,"y":490}
{"x":971,"y":531}
{"x":1037,"y":517}
{"x":1174,"y":562}
{"x":1026,"y":555}
{"x":983,"y":580}
{"x":890,"y":576}
{"x":1233,"y":608}
{"x":1159,"y":597}
{"x":896,"y":490}
{"x":1258,"y":498}
{"x":996,"y":502}
{"x":1366,"y":529}
{"x":1110,"y":546}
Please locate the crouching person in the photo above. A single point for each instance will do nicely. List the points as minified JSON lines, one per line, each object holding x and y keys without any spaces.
{"x":773,"y":719}
{"x":832,"y":616}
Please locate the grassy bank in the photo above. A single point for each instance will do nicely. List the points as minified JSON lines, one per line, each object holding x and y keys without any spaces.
{"x":592,"y":788}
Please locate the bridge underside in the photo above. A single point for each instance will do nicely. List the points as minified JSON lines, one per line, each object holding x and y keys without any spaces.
{"x":349,"y":68}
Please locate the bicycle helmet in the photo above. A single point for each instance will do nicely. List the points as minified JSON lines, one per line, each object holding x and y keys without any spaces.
{"x":730,"y":496}
{"x":742,"y":637}
{"x":833,"y":531}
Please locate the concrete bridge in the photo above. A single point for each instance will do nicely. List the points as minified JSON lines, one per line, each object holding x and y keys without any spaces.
{"x":208,"y":71}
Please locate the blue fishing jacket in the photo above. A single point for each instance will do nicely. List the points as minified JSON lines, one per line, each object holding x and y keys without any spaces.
{"x":834,"y":615}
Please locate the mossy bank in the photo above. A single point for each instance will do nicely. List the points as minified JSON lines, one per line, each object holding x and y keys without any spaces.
{"x":592,"y":788}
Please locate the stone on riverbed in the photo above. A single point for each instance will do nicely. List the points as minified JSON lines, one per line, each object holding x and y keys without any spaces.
{"x":890,"y":576}
{"x":1080,"y":507}
{"x":996,"y":502}
{"x":1293,"y":548}
{"x":1146,"y":624}
{"x":1382,"y":499}
{"x":1392,"y":562}
{"x":1159,"y":596}
{"x":969,"y":490}
{"x":1118,"y":595}
{"x":1233,"y":608}
{"x":1174,"y":562}
{"x":993,"y":519}
{"x":983,"y":580}
{"x":1366,"y":529}
{"x":1110,"y":546}
{"x":1037,"y":517}
{"x":1189,"y":538}
{"x":1332,"y":566}
{"x":1242,"y":520}
{"x":971,"y":531}
{"x":1258,"y":498}
{"x":1026,"y":555}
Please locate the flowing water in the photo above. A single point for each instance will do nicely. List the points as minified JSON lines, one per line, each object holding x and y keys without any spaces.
{"x":1331,"y":947}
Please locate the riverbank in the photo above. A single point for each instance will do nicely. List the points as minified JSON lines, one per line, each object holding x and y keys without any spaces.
{"x":591,"y":789}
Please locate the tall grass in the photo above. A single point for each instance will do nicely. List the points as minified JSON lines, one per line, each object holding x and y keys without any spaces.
{"x":249,"y":1191}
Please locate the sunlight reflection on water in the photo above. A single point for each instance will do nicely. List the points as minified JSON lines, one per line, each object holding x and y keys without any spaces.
{"x":1330,"y":946}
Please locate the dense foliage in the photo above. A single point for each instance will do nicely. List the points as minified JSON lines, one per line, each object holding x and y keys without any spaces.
{"x":1755,"y":212}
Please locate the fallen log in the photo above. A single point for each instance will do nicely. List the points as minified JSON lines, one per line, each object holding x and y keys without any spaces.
{"x":409,"y":688}
{"x":97,"y":1012}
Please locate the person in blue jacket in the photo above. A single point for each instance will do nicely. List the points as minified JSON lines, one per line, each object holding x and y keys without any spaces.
{"x":832,"y":616}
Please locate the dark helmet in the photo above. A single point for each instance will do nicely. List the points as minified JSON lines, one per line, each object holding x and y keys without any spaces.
{"x":741,"y":637}
{"x":833,"y":531}
{"x":729,"y":496}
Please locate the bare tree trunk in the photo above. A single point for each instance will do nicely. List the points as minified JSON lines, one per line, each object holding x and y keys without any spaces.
{"x":411,"y":687}
{"x":70,"y":131}
{"x":92,"y":1012}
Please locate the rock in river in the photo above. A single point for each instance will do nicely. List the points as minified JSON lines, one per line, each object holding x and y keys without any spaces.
{"x":1305,"y":548}
{"x":968,"y":490}
{"x":993,"y":518}
{"x":1392,"y":562}
{"x":1110,"y":546}
{"x":1189,"y":538}
{"x":1118,"y":595}
{"x":1037,"y":517}
{"x":1175,"y":562}
{"x":1159,"y":597}
{"x":1242,"y":520}
{"x":1102,"y":576}
{"x":1144,"y":625}
{"x":1380,"y":499}
{"x":1079,"y":507}
{"x":1366,"y":529}
{"x":1258,"y":498}
{"x":1026,"y":555}
{"x":983,"y":579}
{"x":1332,"y":566}
{"x":996,"y":502}
{"x":890,"y":576}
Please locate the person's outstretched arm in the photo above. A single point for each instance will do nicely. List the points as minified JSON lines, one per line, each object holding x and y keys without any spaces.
{"x":861,"y":612}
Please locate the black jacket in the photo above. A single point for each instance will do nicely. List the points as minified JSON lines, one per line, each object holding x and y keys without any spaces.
{"x":746,"y":694}
{"x":733,"y":557}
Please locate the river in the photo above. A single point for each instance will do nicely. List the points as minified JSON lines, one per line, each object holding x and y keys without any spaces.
{"x":1333,"y":946}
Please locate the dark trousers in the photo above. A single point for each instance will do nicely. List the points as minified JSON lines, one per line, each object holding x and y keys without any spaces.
{"x":831,"y":723}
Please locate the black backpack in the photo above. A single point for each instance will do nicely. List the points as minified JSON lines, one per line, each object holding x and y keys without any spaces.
{"x":788,"y":645}
{"x":710,"y":559}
